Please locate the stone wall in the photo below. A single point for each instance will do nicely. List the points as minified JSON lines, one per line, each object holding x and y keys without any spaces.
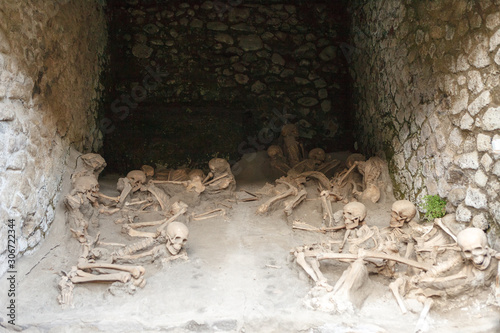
{"x":426,"y":78}
{"x":51,"y":57}
{"x":222,"y":67}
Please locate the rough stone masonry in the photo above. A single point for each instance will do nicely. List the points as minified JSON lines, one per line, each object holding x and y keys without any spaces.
{"x":425,"y":75}
{"x":427,"y":81}
{"x":51,"y":57}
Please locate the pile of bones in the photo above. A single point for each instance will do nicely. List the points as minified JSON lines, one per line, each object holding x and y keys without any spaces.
{"x":431,"y":262}
{"x":167,"y":193}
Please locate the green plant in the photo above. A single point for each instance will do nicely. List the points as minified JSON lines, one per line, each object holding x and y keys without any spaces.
{"x":434,"y":207}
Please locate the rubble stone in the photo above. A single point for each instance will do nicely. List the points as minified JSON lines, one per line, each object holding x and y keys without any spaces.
{"x":49,"y":96}
{"x":476,"y":198}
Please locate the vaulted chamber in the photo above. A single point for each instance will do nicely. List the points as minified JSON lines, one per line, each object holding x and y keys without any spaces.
{"x":175,"y":83}
{"x":191,"y":81}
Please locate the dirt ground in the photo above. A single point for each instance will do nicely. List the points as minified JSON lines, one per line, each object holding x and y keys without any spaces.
{"x":239,"y":278}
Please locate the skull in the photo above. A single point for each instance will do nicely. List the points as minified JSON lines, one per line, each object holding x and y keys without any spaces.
{"x":274,"y":151}
{"x":177,"y":234}
{"x":218,"y":166}
{"x":474,"y":247}
{"x":290,"y":130}
{"x":87,"y":185}
{"x":196,"y":175}
{"x":354,"y":158}
{"x":317,"y":154}
{"x":402,"y":211}
{"x":196,"y":178}
{"x":354,"y":214}
{"x":148,"y":170}
{"x":94,"y":162}
{"x":137,"y":178}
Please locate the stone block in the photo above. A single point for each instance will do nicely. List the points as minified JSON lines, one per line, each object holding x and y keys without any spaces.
{"x":278,"y":59}
{"x":250,"y":43}
{"x":495,"y":40}
{"x":479,"y":57}
{"x":450,"y":32}
{"x":479,"y":103}
{"x":300,"y":80}
{"x":207,"y":5}
{"x":224,"y":38}
{"x":443,"y":187}
{"x":328,"y":53}
{"x":241,"y":78}
{"x":493,"y":20}
{"x":486,"y":162}
{"x":322,"y":93}
{"x":467,"y":122}
{"x":496,"y":169}
{"x":476,"y":198}
{"x":151,"y":29}
{"x":217,"y":26}
{"x":480,"y":178}
{"x":495,"y":211}
{"x":460,"y":102}
{"x":237,"y":14}
{"x":493,"y":189}
{"x":475,"y":82}
{"x":480,"y":221}
{"x":326,"y":106}
{"x":462,"y":63}
{"x":306,"y":51}
{"x":287,"y":73}
{"x":141,"y":51}
{"x":476,"y":21}
{"x":495,"y":146}
{"x":491,"y":119}
{"x":463,"y":214}
{"x":258,"y":87}
{"x":467,"y":161}
{"x":461,"y":80}
{"x":455,"y":137}
{"x":196,"y":24}
{"x":497,"y":57}
{"x":456,"y":195}
{"x":483,"y":142}
{"x":307,"y":101}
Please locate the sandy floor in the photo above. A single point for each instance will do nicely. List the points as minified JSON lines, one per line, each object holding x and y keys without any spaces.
{"x":239,"y":278}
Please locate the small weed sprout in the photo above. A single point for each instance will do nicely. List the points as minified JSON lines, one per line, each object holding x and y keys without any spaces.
{"x":434,"y":207}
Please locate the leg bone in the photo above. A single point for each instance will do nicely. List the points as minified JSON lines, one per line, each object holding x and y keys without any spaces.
{"x":327,"y":207}
{"x":135,"y":271}
{"x":394,"y":286}
{"x":83,"y":277}
{"x":135,"y":233}
{"x":423,"y":314}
